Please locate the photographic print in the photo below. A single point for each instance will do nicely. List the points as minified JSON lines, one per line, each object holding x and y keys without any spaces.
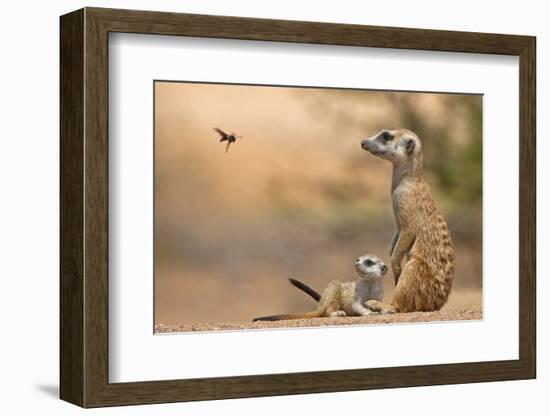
{"x":285,"y":206}
{"x":323,"y":186}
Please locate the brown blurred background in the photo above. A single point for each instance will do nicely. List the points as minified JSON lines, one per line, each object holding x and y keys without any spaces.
{"x":297,"y":196}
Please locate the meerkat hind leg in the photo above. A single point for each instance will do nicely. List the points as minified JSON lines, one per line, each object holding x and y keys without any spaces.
{"x":415,"y":293}
{"x":337,"y":313}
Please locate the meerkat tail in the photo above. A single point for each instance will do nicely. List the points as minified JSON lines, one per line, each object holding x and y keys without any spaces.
{"x":302,"y":286}
{"x":307,"y":315}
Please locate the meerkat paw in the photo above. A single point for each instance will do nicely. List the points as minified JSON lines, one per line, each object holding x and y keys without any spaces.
{"x":373,"y":305}
{"x":377,"y":306}
{"x":337,"y":313}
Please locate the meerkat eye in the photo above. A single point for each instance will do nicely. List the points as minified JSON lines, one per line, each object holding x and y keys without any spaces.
{"x":369,"y":262}
{"x":387,"y":136}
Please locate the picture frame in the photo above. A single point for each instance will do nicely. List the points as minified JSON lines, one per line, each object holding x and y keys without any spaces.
{"x":84,"y":216}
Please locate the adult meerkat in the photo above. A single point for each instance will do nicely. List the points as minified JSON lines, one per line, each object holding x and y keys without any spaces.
{"x":422,"y":235}
{"x":344,"y":298}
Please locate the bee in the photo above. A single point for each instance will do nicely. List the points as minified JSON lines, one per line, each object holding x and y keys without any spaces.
{"x":229,"y":138}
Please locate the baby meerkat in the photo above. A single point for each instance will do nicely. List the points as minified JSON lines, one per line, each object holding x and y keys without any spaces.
{"x":344,"y":298}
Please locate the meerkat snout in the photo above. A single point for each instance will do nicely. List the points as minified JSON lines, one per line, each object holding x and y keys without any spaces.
{"x":369,"y":266}
{"x":368,"y":145}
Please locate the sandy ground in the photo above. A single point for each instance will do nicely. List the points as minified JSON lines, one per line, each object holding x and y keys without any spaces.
{"x":446,"y":315}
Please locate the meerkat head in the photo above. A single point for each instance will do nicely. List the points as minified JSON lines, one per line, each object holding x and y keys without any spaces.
{"x":369,"y":266}
{"x":395,"y":145}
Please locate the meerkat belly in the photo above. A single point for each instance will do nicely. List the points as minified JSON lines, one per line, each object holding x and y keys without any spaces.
{"x":368,"y":290}
{"x":376,"y":292}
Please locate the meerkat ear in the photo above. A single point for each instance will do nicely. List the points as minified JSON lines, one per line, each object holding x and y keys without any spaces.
{"x":409,"y":146}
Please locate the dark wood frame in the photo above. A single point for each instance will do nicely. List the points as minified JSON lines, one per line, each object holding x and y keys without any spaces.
{"x":84,"y":207}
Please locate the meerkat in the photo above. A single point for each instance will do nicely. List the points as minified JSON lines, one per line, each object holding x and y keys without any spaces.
{"x":422,"y":237}
{"x":344,"y":298}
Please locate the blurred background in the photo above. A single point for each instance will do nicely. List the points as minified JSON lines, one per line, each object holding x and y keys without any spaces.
{"x":297,"y":196}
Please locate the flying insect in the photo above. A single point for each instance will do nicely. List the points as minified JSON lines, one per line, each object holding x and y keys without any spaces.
{"x":225,"y":137}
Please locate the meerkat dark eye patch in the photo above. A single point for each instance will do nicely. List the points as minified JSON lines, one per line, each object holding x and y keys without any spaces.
{"x":386,"y":136}
{"x":409,"y":146}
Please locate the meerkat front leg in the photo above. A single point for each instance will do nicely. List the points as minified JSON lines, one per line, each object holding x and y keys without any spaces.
{"x":377,"y":306}
{"x":360,"y":310}
{"x":402,"y":247}
{"x":337,"y":313}
{"x":393,"y":242}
